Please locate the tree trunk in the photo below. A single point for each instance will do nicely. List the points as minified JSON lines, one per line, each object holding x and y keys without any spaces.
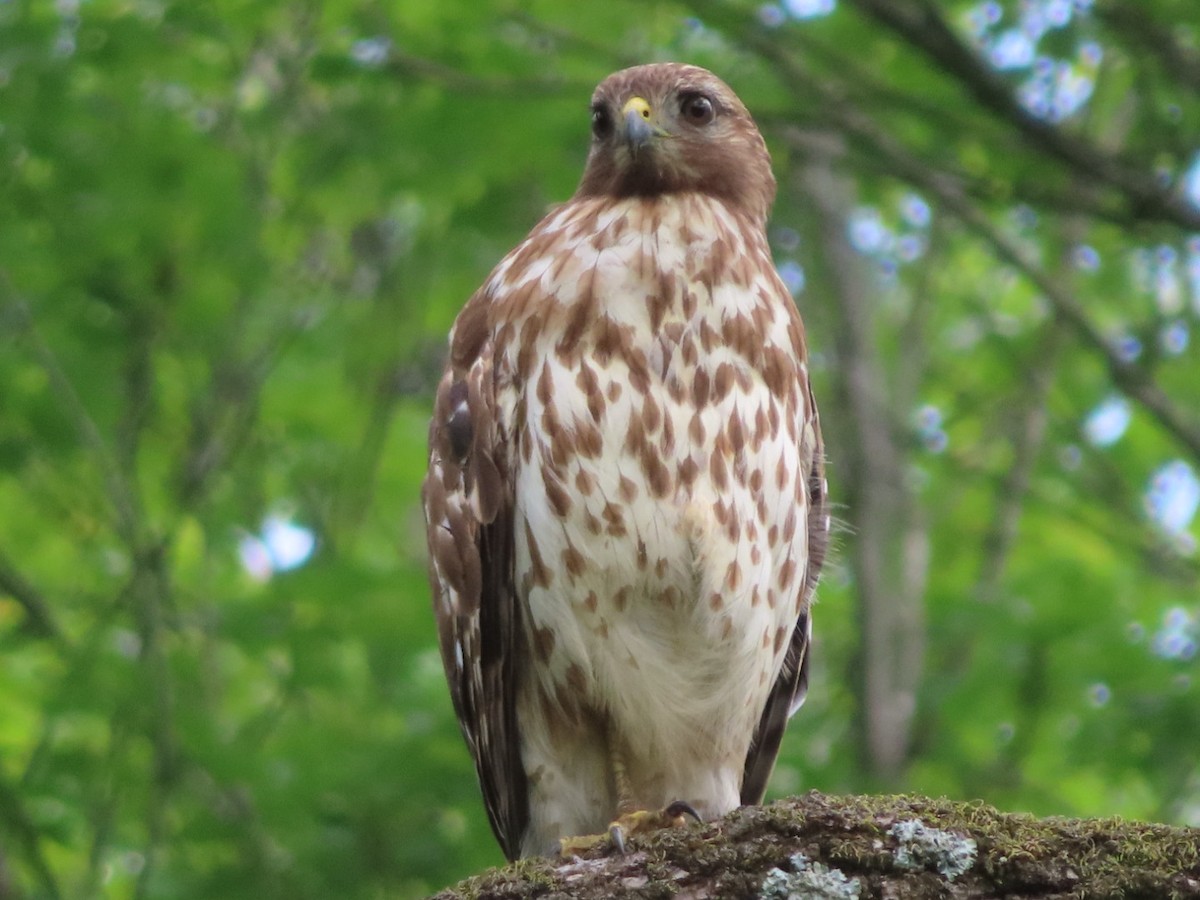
{"x":866,"y":433}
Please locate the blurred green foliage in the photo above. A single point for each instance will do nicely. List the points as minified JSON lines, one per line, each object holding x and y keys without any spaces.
{"x":232,"y":239}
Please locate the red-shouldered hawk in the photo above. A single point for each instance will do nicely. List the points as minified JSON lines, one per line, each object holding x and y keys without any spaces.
{"x":625,"y":500}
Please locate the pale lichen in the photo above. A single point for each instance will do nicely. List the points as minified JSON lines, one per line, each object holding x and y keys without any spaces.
{"x":922,"y":847}
{"x":808,"y":881}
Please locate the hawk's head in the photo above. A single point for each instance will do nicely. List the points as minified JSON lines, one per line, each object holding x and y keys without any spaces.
{"x":668,"y":127}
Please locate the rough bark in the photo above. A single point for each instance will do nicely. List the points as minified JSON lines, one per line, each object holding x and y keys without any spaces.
{"x":865,"y":840}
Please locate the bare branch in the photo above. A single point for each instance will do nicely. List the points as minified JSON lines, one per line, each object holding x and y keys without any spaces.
{"x":920,"y":24}
{"x":1154,"y":39}
{"x":223,"y":418}
{"x":1027,"y":441}
{"x":148,"y":592}
{"x":24,"y":834}
{"x":118,"y":488}
{"x":1134,"y":380}
{"x":409,"y":66}
{"x":41,"y":620}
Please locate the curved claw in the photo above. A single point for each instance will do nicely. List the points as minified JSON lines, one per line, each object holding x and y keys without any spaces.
{"x":616,"y":834}
{"x":672,"y":816}
{"x":636,"y":822}
{"x":680,"y":808}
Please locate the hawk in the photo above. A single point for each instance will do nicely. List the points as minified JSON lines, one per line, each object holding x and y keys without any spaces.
{"x":625,"y":501}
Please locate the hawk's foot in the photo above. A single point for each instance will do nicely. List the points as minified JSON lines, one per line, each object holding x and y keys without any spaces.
{"x":640,"y":821}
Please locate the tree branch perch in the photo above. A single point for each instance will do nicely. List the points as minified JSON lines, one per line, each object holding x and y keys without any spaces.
{"x":1013,"y":856}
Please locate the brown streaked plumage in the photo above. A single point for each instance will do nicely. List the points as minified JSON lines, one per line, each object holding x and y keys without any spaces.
{"x":625,"y":499}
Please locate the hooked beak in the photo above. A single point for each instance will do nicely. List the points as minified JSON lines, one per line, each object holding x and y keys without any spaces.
{"x":638,"y":127}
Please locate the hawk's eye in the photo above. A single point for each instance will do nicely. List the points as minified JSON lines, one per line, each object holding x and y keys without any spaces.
{"x":602,"y":125}
{"x":697,"y":109}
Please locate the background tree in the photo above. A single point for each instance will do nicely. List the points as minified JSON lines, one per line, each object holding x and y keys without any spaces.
{"x":232,"y":238}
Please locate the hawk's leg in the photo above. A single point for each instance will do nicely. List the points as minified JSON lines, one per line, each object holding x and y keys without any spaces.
{"x":630,"y":818}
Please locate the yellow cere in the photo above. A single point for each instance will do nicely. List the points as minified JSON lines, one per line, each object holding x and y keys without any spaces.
{"x":638,"y":105}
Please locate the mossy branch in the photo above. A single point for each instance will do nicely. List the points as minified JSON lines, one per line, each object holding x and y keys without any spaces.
{"x":963,"y":850}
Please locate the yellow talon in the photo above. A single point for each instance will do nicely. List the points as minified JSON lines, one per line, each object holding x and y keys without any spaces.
{"x":639,"y":821}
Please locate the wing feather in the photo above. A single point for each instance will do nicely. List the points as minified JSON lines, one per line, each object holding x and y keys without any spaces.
{"x":468,"y":507}
{"x":788,"y":692}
